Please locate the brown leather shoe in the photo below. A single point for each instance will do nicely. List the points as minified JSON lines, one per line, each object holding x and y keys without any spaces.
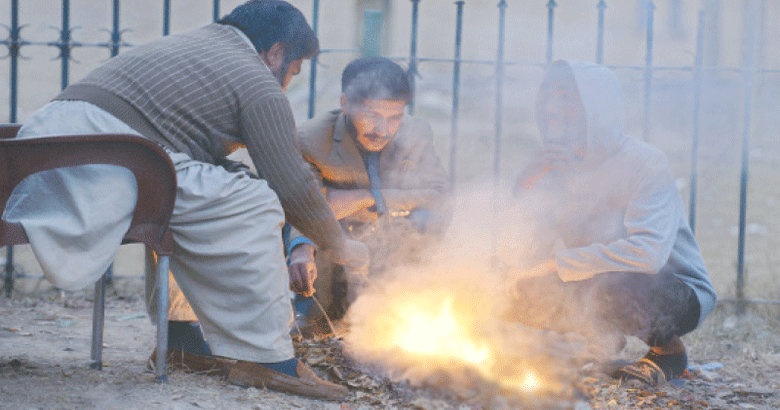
{"x":249,"y":374}
{"x":193,"y":363}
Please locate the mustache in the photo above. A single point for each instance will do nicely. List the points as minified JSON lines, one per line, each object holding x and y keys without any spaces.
{"x":374,"y":136}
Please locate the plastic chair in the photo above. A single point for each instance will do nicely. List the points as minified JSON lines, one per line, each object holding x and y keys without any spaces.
{"x":156,"y":180}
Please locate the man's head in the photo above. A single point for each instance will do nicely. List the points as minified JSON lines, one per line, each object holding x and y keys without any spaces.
{"x":375,"y":92}
{"x":279,"y":32}
{"x":560,"y":111}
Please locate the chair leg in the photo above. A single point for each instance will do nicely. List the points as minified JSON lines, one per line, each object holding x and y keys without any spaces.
{"x":160,"y":371}
{"x":9,"y":271}
{"x":98,"y":319}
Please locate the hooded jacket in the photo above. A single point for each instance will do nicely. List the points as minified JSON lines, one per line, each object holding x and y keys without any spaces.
{"x":618,"y":209}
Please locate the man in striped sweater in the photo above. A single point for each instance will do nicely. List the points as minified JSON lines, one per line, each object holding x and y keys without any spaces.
{"x":201,"y":95}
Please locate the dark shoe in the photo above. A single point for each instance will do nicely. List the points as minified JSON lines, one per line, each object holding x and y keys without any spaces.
{"x":248,"y":374}
{"x":654,"y":369}
{"x":187,"y":337}
{"x":193,"y":363}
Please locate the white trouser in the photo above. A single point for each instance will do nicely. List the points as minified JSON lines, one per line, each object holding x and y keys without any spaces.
{"x":228,"y":257}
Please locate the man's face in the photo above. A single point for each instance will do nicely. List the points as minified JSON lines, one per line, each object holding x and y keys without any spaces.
{"x":375,"y":121}
{"x":562,"y":118}
{"x":287,"y":71}
{"x":282,"y":69}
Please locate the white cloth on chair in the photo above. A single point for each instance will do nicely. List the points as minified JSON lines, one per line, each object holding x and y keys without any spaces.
{"x":75,"y":229}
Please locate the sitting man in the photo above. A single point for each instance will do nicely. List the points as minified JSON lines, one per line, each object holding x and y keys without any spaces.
{"x":381,"y":175}
{"x":202,"y":95}
{"x":613,"y":254}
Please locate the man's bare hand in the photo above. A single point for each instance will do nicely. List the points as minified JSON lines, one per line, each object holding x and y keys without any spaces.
{"x":517,"y":277}
{"x":550,"y":157}
{"x":303,"y":270}
{"x":346,"y":202}
{"x":353,"y":255}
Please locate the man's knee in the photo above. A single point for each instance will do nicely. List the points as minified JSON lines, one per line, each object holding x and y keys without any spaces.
{"x":653,"y":307}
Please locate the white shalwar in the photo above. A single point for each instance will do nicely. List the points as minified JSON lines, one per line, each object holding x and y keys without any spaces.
{"x":228,"y":257}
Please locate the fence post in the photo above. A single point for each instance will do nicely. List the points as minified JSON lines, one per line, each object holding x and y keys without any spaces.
{"x":648,"y":70}
{"x":116,"y":34}
{"x":64,"y":43}
{"x":550,"y":20}
{"x":108,"y":277}
{"x":166,"y":17}
{"x":372,"y":33}
{"x":13,"y":52}
{"x":455,"y":92}
{"x":499,"y":90}
{"x":315,"y":20}
{"x":413,"y":55}
{"x":600,"y":35}
{"x":14,"y":47}
{"x":216,"y":10}
{"x":697,"y":79}
{"x":748,"y":72}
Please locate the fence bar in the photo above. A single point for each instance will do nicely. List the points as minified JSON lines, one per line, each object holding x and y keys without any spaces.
{"x":600,"y":42}
{"x":499,"y":89}
{"x":749,"y":61}
{"x":216,"y":10}
{"x":746,"y":302}
{"x":413,"y":54}
{"x":166,"y":17}
{"x":550,"y":20}
{"x":116,"y":35}
{"x":455,"y":92}
{"x":648,"y":70}
{"x":13,"y":52}
{"x":315,"y":20}
{"x":697,"y":73}
{"x":64,"y":44}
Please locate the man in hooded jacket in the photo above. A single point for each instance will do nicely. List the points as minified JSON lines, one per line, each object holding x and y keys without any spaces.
{"x":614,"y":254}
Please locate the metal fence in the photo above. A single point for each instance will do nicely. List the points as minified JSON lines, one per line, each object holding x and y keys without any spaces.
{"x":15,"y":44}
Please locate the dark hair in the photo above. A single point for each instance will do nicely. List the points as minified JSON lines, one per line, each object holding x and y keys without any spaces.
{"x":375,"y":78}
{"x":267,"y":22}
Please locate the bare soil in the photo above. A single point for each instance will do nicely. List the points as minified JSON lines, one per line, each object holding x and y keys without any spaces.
{"x":45,"y":348}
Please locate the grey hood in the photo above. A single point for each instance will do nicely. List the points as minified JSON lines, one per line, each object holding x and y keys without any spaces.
{"x":600,"y":91}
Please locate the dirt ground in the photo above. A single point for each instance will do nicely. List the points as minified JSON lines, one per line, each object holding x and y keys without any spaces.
{"x":45,"y":348}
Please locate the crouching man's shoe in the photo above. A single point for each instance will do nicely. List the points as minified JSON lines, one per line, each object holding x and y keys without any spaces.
{"x":193,"y":363}
{"x":249,"y":374}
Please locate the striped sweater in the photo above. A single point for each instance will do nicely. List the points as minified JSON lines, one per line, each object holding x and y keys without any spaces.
{"x":207,"y":93}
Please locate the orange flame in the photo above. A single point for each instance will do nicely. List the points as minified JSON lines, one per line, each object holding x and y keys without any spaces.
{"x":427,"y":329}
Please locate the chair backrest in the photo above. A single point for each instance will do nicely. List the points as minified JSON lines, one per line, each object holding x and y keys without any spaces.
{"x":153,"y":170}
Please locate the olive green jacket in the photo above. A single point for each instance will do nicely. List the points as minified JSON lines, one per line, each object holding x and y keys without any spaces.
{"x":411,"y":172}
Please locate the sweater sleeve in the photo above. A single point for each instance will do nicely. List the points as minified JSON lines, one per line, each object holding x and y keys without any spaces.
{"x":269,"y":131}
{"x":651,"y":222}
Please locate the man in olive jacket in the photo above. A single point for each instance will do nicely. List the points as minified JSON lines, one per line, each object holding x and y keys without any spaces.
{"x":379,"y":170}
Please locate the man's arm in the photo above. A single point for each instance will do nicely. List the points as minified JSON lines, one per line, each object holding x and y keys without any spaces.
{"x":549,"y":158}
{"x":346,"y":202}
{"x":269,"y":132}
{"x":651,"y":222}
